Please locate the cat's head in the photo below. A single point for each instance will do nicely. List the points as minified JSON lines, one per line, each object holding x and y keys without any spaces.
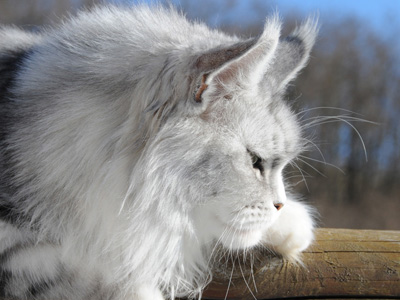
{"x":223,"y":157}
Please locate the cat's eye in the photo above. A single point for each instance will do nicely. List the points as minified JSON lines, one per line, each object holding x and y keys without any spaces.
{"x":254,"y":159}
{"x":256,"y":162}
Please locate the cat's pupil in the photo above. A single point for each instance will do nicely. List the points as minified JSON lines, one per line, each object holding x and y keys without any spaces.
{"x":256,"y":162}
{"x":254,"y":159}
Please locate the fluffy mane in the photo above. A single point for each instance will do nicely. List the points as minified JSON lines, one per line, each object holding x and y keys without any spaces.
{"x":105,"y":103}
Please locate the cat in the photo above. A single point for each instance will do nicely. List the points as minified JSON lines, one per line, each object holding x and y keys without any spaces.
{"x":134,"y":141}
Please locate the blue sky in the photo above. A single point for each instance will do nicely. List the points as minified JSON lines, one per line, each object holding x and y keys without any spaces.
{"x":379,"y":13}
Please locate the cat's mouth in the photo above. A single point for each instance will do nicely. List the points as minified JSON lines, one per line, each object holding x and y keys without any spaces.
{"x":241,"y":236}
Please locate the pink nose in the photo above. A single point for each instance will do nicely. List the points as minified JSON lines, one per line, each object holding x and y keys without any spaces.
{"x":278,"y":206}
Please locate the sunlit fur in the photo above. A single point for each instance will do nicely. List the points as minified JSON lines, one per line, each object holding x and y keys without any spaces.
{"x":121,"y":183}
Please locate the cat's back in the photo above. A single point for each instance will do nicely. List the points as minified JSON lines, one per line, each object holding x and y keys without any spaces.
{"x":108,"y":47}
{"x":149,"y":28}
{"x":99,"y":32}
{"x":79,"y":87}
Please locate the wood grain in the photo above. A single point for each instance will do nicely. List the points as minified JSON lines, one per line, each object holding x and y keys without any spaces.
{"x":340,"y":263}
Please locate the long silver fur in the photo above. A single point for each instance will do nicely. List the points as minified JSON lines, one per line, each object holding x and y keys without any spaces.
{"x":126,"y":154}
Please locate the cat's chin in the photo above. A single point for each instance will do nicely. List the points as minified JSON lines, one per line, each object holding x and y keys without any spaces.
{"x":241,"y":239}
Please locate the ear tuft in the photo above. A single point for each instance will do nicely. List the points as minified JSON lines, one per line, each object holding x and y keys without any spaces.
{"x":307,"y":32}
{"x":272,"y":28}
{"x":292,"y":55}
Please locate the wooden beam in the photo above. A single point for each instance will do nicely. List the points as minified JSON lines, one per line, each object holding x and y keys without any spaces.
{"x":340,"y":263}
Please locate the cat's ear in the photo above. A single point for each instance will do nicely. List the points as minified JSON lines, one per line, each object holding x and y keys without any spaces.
{"x":291,"y":56}
{"x":240,"y":64}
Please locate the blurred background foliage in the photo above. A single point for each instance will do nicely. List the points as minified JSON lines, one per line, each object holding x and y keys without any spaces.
{"x":348,"y":98}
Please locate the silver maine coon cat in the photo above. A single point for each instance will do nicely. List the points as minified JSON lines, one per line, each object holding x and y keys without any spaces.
{"x":132,"y":143}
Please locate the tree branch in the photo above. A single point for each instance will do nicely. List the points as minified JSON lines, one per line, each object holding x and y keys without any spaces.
{"x":341,"y":263}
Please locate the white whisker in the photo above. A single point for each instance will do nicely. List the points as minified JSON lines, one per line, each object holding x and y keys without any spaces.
{"x":245,"y":281}
{"x":311,"y":166}
{"x":230,"y":280}
{"x":305,"y":111}
{"x":316,"y":147}
{"x":322,"y":162}
{"x":301,"y":171}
